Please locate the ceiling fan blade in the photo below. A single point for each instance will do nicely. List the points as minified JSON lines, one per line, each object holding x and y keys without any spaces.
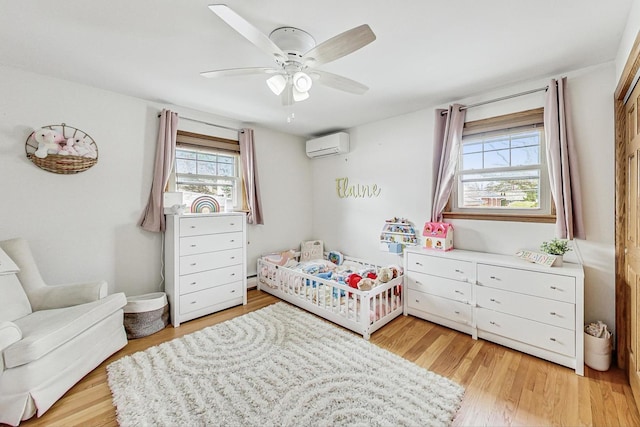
{"x":247,"y":30}
{"x":287,"y":94}
{"x":340,"y":45}
{"x":230,"y":72}
{"x":338,"y":82}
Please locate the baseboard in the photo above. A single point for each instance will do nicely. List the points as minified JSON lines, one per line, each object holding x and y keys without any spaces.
{"x":252,"y":282}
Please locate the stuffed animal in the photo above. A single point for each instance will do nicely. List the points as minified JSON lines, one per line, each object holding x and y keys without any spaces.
{"x":352,"y":280}
{"x":385,"y":274}
{"x":397,"y":271}
{"x":67,"y":149}
{"x":48,"y":142}
{"x":84,"y":148}
{"x":366,"y":284}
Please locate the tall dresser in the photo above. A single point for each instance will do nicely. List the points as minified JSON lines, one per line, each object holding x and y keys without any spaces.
{"x":205,"y":264}
{"x":531,"y":308}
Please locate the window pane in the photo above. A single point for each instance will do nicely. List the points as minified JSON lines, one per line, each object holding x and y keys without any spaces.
{"x":185,"y":166}
{"x":207,"y":156}
{"x":206,"y":168}
{"x":505,"y":194}
{"x":225,"y":170}
{"x":496,"y":159}
{"x":471,"y":161}
{"x":525,"y":139}
{"x":226,"y":159}
{"x":184,"y":154}
{"x":525,"y":156}
{"x":502,"y":175}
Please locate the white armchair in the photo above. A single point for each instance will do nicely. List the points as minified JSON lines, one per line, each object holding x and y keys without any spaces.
{"x":50,"y":336}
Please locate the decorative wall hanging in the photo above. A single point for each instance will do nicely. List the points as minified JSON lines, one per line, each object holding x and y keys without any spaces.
{"x":205,"y":204}
{"x":344,"y":189}
{"x":61,"y":149}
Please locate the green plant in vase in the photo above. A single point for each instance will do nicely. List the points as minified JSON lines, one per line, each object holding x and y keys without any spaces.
{"x":557,"y":247}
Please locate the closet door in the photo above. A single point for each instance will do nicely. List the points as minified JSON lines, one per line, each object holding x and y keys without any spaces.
{"x":632,"y":246}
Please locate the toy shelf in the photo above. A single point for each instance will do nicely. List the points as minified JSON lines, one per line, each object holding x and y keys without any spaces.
{"x":396,"y":234}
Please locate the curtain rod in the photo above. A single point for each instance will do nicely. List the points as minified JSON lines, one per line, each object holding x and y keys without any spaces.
{"x":207,"y":123}
{"x":502,"y":98}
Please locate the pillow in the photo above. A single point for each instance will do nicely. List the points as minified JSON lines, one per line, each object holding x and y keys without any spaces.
{"x":313,"y":249}
{"x":7,"y":266}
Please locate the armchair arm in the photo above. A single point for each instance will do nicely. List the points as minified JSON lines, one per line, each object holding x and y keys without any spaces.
{"x":48,"y":297}
{"x":9,"y":333}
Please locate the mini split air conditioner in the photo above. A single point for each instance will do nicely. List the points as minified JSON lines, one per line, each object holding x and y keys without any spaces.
{"x":336,"y":143}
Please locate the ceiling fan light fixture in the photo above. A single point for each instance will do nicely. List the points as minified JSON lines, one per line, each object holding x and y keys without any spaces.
{"x":302,"y":82}
{"x":277,"y":83}
{"x":299,"y":96}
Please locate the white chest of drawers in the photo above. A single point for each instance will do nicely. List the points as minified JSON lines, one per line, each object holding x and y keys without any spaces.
{"x":531,"y":308}
{"x":205,"y":264}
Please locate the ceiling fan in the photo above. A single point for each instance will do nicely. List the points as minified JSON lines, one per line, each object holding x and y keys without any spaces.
{"x":296,"y":55}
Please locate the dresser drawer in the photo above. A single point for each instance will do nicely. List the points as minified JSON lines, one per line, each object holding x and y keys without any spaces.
{"x":194,"y":226}
{"x":551,"y":312}
{"x":443,"y":307}
{"x":210,"y":278}
{"x":209,"y":243}
{"x":437,"y":266}
{"x":545,"y":285}
{"x":540,"y":335}
{"x":217,"y":295}
{"x":440,"y":286}
{"x":210,"y":260}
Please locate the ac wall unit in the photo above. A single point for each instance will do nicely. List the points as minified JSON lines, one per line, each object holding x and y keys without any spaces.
{"x":336,"y":143}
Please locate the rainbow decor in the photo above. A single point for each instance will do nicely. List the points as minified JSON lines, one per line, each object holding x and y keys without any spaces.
{"x":205,"y":204}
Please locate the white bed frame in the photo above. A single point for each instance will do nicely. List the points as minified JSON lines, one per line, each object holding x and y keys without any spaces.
{"x":292,"y":286}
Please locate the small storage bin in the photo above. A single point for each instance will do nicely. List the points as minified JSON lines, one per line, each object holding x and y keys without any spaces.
{"x":146,"y":314}
{"x":597,"y":352}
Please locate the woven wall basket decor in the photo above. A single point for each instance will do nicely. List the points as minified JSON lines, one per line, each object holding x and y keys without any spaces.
{"x":61,"y":149}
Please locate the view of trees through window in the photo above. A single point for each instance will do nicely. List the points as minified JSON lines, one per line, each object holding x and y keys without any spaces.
{"x":501,"y":171}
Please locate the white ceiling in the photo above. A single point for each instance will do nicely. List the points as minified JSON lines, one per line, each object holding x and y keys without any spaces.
{"x":427,"y":52}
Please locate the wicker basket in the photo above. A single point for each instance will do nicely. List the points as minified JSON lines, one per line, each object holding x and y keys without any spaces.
{"x":62,"y":164}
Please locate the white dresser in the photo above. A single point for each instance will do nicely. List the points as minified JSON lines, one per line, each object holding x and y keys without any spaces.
{"x":205,"y":264}
{"x":534,"y":309}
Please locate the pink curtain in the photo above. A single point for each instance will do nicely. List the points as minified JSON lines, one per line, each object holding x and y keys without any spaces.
{"x":250,"y":176}
{"x":563,"y":162}
{"x":153,"y":215}
{"x":447,"y":137}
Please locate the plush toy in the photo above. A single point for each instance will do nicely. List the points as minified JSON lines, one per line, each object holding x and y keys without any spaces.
{"x":48,"y":142}
{"x":397,"y":271}
{"x":385,"y":274}
{"x":67,"y":149}
{"x":371,"y":275}
{"x":84,"y":148}
{"x":281,"y":258}
{"x":352,"y":280}
{"x":366,"y":284}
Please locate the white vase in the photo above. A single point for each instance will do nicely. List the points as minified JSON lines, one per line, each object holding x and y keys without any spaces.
{"x":558,"y":262}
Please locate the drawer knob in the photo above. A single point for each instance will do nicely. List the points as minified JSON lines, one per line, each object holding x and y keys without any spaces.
{"x":493,"y":323}
{"x":194,"y":302}
{"x":192,"y":283}
{"x":459,"y":271}
{"x":232,"y":240}
{"x":233,"y":291}
{"x":456,"y":312}
{"x":193,"y":226}
{"x":193,"y":246}
{"x":417,"y":263}
{"x":493,"y":277}
{"x":417,"y":300}
{"x":233,"y":257}
{"x":494,"y":300}
{"x":555,"y":288}
{"x":233,"y":274}
{"x":193,"y":264}
{"x":232,"y":223}
{"x":418,"y":283}
{"x":553,"y":313}
{"x":459,"y":292}
{"x":553,"y":339}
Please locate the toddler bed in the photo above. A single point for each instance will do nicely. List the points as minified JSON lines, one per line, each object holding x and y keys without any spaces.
{"x":353,"y":293}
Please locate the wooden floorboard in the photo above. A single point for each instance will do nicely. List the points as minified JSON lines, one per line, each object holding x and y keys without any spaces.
{"x":503,"y":386}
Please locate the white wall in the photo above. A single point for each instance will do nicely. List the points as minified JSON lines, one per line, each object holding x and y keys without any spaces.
{"x":628,"y":38}
{"x":396,"y":154}
{"x":83,"y":226}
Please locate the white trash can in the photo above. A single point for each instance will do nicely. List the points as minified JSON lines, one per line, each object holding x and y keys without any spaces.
{"x":597,"y":349}
{"x":146,"y":314}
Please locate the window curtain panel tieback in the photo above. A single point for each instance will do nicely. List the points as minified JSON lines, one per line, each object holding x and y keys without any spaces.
{"x":250,"y":176}
{"x":153,"y":215}
{"x":562,"y":160}
{"x":447,"y":137}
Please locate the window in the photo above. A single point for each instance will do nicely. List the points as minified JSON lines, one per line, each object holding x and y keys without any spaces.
{"x":207,"y":166}
{"x":502,"y":171}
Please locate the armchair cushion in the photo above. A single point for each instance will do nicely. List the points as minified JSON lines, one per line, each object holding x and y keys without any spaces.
{"x":45,"y":330}
{"x":9,"y":333}
{"x":14,"y":303}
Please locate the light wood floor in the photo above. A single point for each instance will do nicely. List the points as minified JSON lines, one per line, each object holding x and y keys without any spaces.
{"x":503,"y":387}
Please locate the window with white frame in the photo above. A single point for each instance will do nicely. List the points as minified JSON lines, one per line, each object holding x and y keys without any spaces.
{"x":502,"y":167}
{"x":207,"y":166}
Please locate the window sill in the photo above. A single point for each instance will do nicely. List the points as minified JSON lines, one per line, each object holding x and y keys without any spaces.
{"x":545,"y":219}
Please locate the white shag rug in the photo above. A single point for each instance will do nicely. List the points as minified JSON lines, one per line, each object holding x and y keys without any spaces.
{"x":278,"y":366}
